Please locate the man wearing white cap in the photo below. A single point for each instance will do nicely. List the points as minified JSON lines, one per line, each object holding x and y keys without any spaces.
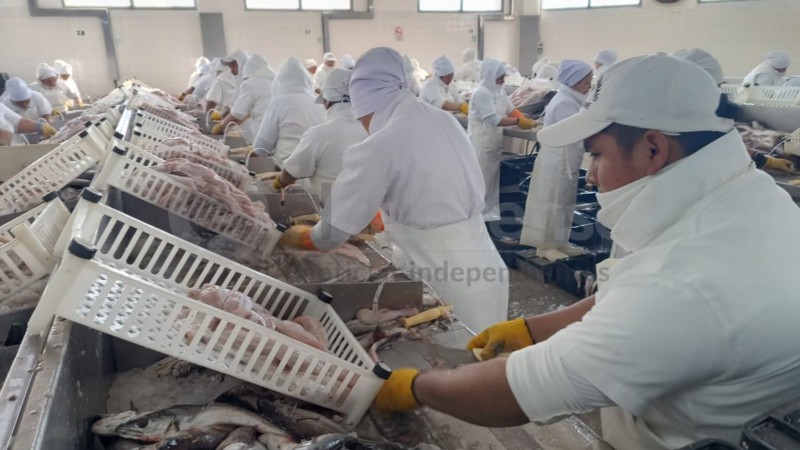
{"x":673,"y":345}
{"x":311,"y":66}
{"x":348,"y":62}
{"x":417,"y":167}
{"x":66,"y":82}
{"x":318,"y":156}
{"x":289,"y":113}
{"x":554,"y":182}
{"x":47,"y":84}
{"x":328,"y":64}
{"x":28,"y":104}
{"x":490,"y":109}
{"x":440,"y":91}
{"x":771,"y":72}
{"x":470,"y":70}
{"x":604,"y":59}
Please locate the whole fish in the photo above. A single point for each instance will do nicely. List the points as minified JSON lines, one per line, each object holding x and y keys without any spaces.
{"x":157,"y":425}
{"x":344,"y":442}
{"x":125,"y":444}
{"x":242,"y":435}
{"x":196,"y":439}
{"x":300,"y":422}
{"x":106,"y":424}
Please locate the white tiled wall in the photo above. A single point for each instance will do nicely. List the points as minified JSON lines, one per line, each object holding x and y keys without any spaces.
{"x":738,"y":33}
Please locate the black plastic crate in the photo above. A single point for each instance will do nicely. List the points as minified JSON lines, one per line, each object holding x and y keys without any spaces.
{"x":505,"y":234}
{"x":778,"y":429}
{"x":514,"y":168}
{"x":711,"y":444}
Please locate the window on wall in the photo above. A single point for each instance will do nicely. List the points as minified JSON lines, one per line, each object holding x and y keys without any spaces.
{"x":460,"y":5}
{"x":569,"y":4}
{"x":294,"y":5}
{"x":130,"y":3}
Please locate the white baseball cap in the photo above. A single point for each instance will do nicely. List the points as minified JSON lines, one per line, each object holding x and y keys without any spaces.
{"x":656,"y":92}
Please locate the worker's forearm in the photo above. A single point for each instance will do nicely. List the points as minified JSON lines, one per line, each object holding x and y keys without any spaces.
{"x":27,"y":126}
{"x":508,"y":122}
{"x":5,"y":137}
{"x":210,"y":105}
{"x":545,"y":325}
{"x":451,"y":106}
{"x":476,"y":393}
{"x":286,"y":178}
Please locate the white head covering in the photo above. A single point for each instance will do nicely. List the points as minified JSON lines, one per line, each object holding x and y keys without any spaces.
{"x":703,"y":59}
{"x":62,"y":67}
{"x":292,"y":79}
{"x":258,"y":67}
{"x":17,"y":89}
{"x":547,"y":72}
{"x":415,"y":63}
{"x":491,"y":70}
{"x":378,"y":77}
{"x":443,"y":66}
{"x":309,"y":63}
{"x":200,"y":62}
{"x":606,"y":57}
{"x":572,"y":71}
{"x":469,"y":54}
{"x":336,"y":86}
{"x":44,"y":71}
{"x":779,"y":59}
{"x":215,"y":66}
{"x":238,"y":55}
{"x":408,"y":66}
{"x":205,"y":69}
{"x":328,"y":57}
{"x":348,"y":62}
{"x":537,"y":66}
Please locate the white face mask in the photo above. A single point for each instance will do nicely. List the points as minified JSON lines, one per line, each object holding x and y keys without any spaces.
{"x":613,"y":204}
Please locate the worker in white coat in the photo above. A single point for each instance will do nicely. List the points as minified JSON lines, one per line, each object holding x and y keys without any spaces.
{"x":254,"y":95}
{"x":417,"y":167}
{"x":18,"y":124}
{"x":328,"y":64}
{"x":291,"y":111}
{"x":318,"y":157}
{"x":198,"y":71}
{"x":419,"y":73}
{"x":413,"y":84}
{"x":348,"y":62}
{"x":200,"y":89}
{"x":554,"y":182}
{"x":311,"y":67}
{"x":47,"y":84}
{"x":66,"y":82}
{"x":678,"y":191}
{"x":470,"y":69}
{"x":222,"y":92}
{"x":771,"y":72}
{"x":439,"y":89}
{"x":25,"y":102}
{"x":603,"y":60}
{"x":489,"y":111}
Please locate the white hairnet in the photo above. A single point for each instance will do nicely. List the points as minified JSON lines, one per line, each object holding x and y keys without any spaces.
{"x":469,"y":54}
{"x":491,"y":70}
{"x":408,"y":67}
{"x":537,"y":66}
{"x":377,"y":78}
{"x":329,"y":57}
{"x":547,"y":72}
{"x":205,"y":69}
{"x":292,"y":79}
{"x":309,"y":63}
{"x":238,"y":55}
{"x":62,"y":67}
{"x":257,"y":67}
{"x":606,"y":57}
{"x":200,"y":61}
{"x":414,"y":63}
{"x":17,"y":89}
{"x":779,"y":59}
{"x":443,"y":66}
{"x":44,"y":71}
{"x":703,"y":59}
{"x":348,"y":62}
{"x":572,"y":71}
{"x":336,"y":86}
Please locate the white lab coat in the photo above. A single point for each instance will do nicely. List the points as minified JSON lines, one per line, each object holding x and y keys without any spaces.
{"x":318,"y":157}
{"x":689,"y":332}
{"x":764,"y":75}
{"x":554,"y":183}
{"x":488,"y":105}
{"x":469,"y":71}
{"x":435,"y":92}
{"x":319,"y":76}
{"x":418,"y":168}
{"x":5,"y":125}
{"x":253,"y":99}
{"x":70,"y":89}
{"x":10,"y":117}
{"x":289,"y":114}
{"x":55,"y":95}
{"x":223,"y":90}
{"x":202,"y":87}
{"x":37,"y":107}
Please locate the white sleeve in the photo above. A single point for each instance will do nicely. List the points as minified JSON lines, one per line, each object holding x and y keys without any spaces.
{"x":303,"y":161}
{"x":5,"y":125}
{"x":215,"y":93}
{"x":482,"y":104}
{"x":10,"y":116}
{"x":432,"y":94}
{"x":267,"y":135}
{"x":43,"y":107}
{"x":244,"y":102}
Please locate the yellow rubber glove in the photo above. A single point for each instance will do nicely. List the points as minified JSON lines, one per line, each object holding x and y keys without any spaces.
{"x":502,"y":337}
{"x":795,"y":182}
{"x":69,"y":103}
{"x":217,"y":129}
{"x":55,"y":111}
{"x":781,"y":164}
{"x":215,"y":115}
{"x":397,"y":393}
{"x":276,"y":183}
{"x":298,"y":236}
{"x":81,"y":105}
{"x":48,"y":130}
{"x":182,"y":96}
{"x":525,"y":123}
{"x":464,"y":108}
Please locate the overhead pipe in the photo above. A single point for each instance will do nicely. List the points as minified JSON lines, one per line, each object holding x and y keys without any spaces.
{"x":105,"y":23}
{"x":342,"y":15}
{"x":507,"y":16}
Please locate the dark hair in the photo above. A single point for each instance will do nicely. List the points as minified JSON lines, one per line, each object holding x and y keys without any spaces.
{"x":690,"y":142}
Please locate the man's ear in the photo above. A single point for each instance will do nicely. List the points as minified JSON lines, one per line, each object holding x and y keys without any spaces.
{"x":658,"y":144}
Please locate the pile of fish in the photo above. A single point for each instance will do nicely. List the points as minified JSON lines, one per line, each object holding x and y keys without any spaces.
{"x":70,"y":129}
{"x":528,"y":95}
{"x":757,"y":137}
{"x":182,"y":149}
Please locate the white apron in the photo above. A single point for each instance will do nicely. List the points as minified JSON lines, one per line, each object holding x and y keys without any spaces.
{"x":551,"y":199}
{"x":488,"y":143}
{"x":461,"y":263}
{"x":283,"y":149}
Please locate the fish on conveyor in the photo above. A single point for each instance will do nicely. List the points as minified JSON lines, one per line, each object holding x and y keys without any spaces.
{"x":106,"y":424}
{"x":300,"y":422}
{"x":196,"y":439}
{"x":344,"y":442}
{"x":243,"y":438}
{"x":155,"y":426}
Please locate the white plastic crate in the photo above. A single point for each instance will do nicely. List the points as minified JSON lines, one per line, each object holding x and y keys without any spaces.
{"x":240,"y":178}
{"x":151,"y":122}
{"x":29,"y":253}
{"x":771,"y":96}
{"x":145,"y":138}
{"x":52,"y":171}
{"x":165,"y":192}
{"x":732,"y":90}
{"x":133,"y":286}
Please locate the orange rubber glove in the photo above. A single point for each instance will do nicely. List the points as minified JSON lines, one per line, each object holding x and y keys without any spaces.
{"x":376,"y":226}
{"x":502,"y":337}
{"x":298,"y":236}
{"x":517,"y":114}
{"x":397,"y":393}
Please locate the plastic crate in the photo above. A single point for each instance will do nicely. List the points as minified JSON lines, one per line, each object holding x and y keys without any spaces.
{"x":158,"y":124}
{"x":29,"y":254}
{"x":130,"y":280}
{"x":52,"y":171}
{"x":774,"y":96}
{"x":153,"y":187}
{"x":778,"y":429}
{"x":732,"y":90}
{"x":145,"y":139}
